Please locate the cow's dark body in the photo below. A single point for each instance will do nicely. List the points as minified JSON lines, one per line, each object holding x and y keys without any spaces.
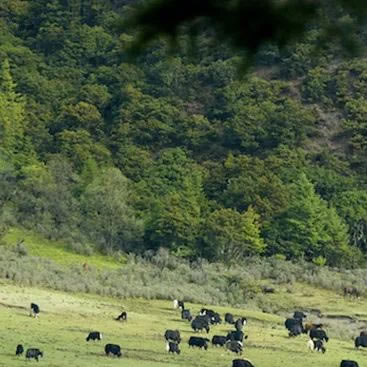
{"x":113,"y":349}
{"x":196,"y":341}
{"x":219,"y":340}
{"x":33,"y":353}
{"x":172,"y":336}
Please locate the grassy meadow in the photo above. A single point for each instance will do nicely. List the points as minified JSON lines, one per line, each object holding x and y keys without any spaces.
{"x":66,"y":318}
{"x":57,"y":251}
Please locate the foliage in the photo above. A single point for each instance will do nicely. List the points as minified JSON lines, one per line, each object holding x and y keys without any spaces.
{"x":181,"y":152}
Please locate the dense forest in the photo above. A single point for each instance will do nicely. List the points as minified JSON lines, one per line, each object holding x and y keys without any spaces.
{"x":179,"y":149}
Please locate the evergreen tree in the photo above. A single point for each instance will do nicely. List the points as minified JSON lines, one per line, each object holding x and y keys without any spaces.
{"x":308,"y":227}
{"x":230,"y":235}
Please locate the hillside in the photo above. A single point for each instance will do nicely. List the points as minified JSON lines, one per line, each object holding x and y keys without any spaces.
{"x":66,"y":319}
{"x":178,"y":151}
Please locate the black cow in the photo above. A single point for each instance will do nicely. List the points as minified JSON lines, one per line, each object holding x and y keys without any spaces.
{"x":186,"y":315}
{"x":240,"y":323}
{"x":173,"y":348}
{"x":122,"y":316}
{"x":219,"y":340}
{"x":317,"y":345}
{"x":20,"y":350}
{"x":216,"y":319}
{"x":299,"y":315}
{"x":228,"y":318}
{"x":179,"y":304}
{"x":295,"y":330}
{"x":207,"y":311}
{"x":234,"y":346}
{"x":35,"y":310}
{"x":94,"y":335}
{"x":348,"y":363}
{"x":172,"y":336}
{"x":318,"y":334}
{"x":236,"y":335}
{"x":200,"y":323}
{"x":33,"y":353}
{"x":294,"y":326}
{"x":113,"y":349}
{"x":360,"y":341}
{"x":196,"y":341}
{"x":242,"y":363}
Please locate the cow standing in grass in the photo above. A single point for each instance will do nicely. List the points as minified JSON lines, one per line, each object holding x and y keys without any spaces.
{"x":172,"y":348}
{"x":35,"y":310}
{"x":113,"y":349}
{"x":33,"y":353}
{"x":122,"y":316}
{"x":94,"y":335}
{"x":20,"y":350}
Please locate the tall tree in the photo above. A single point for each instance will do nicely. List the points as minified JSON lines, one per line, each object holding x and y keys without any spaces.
{"x":308,"y":227}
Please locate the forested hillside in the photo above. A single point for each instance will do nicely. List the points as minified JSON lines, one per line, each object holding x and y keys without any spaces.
{"x":178,"y":150}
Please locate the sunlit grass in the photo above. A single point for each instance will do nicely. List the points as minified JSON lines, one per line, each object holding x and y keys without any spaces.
{"x":66,"y":319}
{"x":57,"y":251}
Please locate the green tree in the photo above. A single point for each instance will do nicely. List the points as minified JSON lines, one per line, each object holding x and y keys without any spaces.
{"x":308,"y":227}
{"x":352,"y":206}
{"x":12,"y":119}
{"x":110,"y":219}
{"x":230,"y":235}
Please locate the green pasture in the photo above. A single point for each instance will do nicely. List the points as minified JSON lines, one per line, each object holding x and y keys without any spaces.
{"x":65,"y":320}
{"x":57,"y":251}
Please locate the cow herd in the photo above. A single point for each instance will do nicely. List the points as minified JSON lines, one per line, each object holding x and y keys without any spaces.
{"x":318,"y":336}
{"x":206,"y":319}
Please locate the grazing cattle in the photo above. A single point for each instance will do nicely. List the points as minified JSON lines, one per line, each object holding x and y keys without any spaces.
{"x":348,"y":363}
{"x":228,"y":318}
{"x":186,"y":315}
{"x":196,"y":341}
{"x":299,"y":315}
{"x":295,"y":330}
{"x":360,"y":341}
{"x":236,"y":335}
{"x":35,"y":310}
{"x":113,"y":349}
{"x":122,"y":316}
{"x":234,"y":346}
{"x":310,"y":325}
{"x":94,"y":335}
{"x":240,"y":323}
{"x":200,"y":323}
{"x":294,"y":326}
{"x":316,"y":345}
{"x":172,"y":348}
{"x":206,"y":311}
{"x":219,"y":340}
{"x":215,"y":319}
{"x":351,"y":291}
{"x":178,"y":304}
{"x":20,"y":350}
{"x":173,"y":336}
{"x":242,"y":363}
{"x":318,"y":334}
{"x":33,"y":353}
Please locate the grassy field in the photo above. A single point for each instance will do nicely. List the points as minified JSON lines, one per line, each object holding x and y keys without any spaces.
{"x":66,"y":319}
{"x":56,"y":251}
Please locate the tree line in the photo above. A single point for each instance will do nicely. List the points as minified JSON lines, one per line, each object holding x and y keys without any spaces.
{"x":183,"y":151}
